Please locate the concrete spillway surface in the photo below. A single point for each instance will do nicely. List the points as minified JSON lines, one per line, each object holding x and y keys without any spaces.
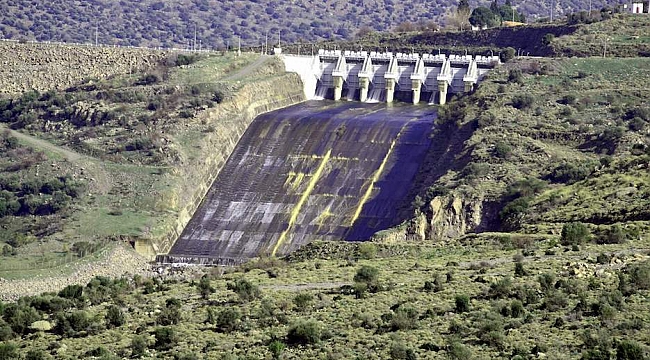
{"x":318,"y":170}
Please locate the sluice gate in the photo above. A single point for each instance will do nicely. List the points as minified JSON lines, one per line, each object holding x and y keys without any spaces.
{"x":385,"y":77}
{"x":318,"y":170}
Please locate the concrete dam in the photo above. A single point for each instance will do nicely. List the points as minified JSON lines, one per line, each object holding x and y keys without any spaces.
{"x":326,"y":170}
{"x":384,"y":77}
{"x":317,"y":170}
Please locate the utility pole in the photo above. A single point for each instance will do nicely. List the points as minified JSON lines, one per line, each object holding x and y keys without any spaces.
{"x":239,"y":46}
{"x":194,"y":46}
{"x":96,"y":35}
{"x":266,"y":43}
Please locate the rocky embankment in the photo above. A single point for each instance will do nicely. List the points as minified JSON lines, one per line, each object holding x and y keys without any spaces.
{"x":118,"y":262}
{"x":44,"y":67}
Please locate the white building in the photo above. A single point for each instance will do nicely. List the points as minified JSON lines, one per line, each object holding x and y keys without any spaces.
{"x":637,"y":6}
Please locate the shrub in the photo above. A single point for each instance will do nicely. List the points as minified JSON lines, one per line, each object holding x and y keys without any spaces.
{"x":501,"y":288}
{"x":523,"y":101}
{"x":305,"y":332}
{"x":457,"y":351}
{"x":205,"y":288}
{"x":218,"y":97}
{"x":9,"y":351}
{"x":114,"y":317}
{"x":555,"y":301}
{"x":502,"y":150}
{"x":171,"y":313}
{"x":369,"y":276}
{"x":569,"y":173}
{"x":515,"y":76}
{"x":548,"y":39}
{"x":138,"y":346}
{"x":516,"y":308}
{"x":20,"y":317}
{"x":546,"y":282}
{"x":513,"y":214}
{"x":519,"y":270}
{"x":276,"y":347}
{"x":367,"y":250}
{"x":228,"y":319}
{"x":303,"y":301}
{"x":74,"y":323}
{"x":244,"y":289}
{"x":148,"y":79}
{"x":399,"y":351}
{"x":629,"y":350}
{"x":574,"y":233}
{"x":36,"y":354}
{"x":404,"y":318}
{"x":462,"y":303}
{"x":72,"y":292}
{"x":166,"y":338}
{"x":614,"y":235}
{"x":508,"y":54}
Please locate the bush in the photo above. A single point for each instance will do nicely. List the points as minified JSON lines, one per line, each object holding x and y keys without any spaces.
{"x":369,"y":276}
{"x":629,"y":350}
{"x":502,"y":150}
{"x":458,"y":351}
{"x":228,"y":319}
{"x":516,"y":308}
{"x":523,"y":101}
{"x":513,"y":214}
{"x":546,"y":282}
{"x":569,"y":173}
{"x":367,"y":250}
{"x":205,"y":288}
{"x":574,"y":233}
{"x":218,"y":97}
{"x":75,"y":323}
{"x":519,"y":270}
{"x":399,"y":351}
{"x":114,"y":317}
{"x":36,"y":354}
{"x":501,"y":288}
{"x":614,"y":235}
{"x":138,"y":346}
{"x":171,"y":313}
{"x":305,"y":332}
{"x":515,"y":76}
{"x":9,"y":351}
{"x":244,"y":289}
{"x":462,"y":303}
{"x":276,"y":348}
{"x":148,"y":79}
{"x":404,"y":318}
{"x":508,"y":54}
{"x":303,"y":301}
{"x":166,"y":338}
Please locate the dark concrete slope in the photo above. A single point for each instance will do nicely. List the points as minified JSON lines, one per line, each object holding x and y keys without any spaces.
{"x":318,"y":170}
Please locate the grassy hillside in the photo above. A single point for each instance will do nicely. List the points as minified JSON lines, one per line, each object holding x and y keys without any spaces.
{"x":217,"y":22}
{"x":114,"y":159}
{"x":464,"y":300}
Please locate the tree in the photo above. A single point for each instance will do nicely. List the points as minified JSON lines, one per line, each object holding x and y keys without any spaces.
{"x":482,"y":16}
{"x":574,"y":233}
{"x":114,"y":317}
{"x":205,"y":288}
{"x":166,"y":338}
{"x":463,"y":6}
{"x":138,"y":346}
{"x":305,"y":332}
{"x":462,"y":303}
{"x":369,"y":276}
{"x":228,"y":319}
{"x":244,"y":289}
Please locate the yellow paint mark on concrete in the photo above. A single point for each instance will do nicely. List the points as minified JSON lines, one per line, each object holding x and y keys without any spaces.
{"x":294,"y":180}
{"x":322,"y":218}
{"x":376,"y":176}
{"x":296,"y":209}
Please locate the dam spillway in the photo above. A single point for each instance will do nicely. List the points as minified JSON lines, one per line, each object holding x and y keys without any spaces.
{"x":320,"y":170}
